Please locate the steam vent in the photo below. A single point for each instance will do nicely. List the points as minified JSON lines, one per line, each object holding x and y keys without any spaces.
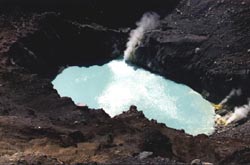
{"x":125,"y":82}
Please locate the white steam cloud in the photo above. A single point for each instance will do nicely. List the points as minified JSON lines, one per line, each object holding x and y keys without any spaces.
{"x":149,"y":21}
{"x":239,"y":113}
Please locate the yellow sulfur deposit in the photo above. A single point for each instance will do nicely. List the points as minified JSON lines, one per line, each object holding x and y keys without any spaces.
{"x":217,"y":106}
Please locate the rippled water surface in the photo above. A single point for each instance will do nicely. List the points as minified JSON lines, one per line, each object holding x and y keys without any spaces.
{"x":116,"y":85}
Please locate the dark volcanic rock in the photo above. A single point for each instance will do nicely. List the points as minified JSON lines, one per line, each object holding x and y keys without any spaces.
{"x":241,"y":157}
{"x":111,"y":13}
{"x":35,"y":160}
{"x":204,"y":44}
{"x":39,"y":127}
{"x":156,"y":142}
{"x":147,"y":161}
{"x":54,"y":43}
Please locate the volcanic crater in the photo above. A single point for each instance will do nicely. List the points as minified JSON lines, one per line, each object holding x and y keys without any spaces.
{"x":38,"y":40}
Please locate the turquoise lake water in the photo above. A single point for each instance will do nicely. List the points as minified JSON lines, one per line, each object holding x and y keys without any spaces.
{"x":116,"y":85}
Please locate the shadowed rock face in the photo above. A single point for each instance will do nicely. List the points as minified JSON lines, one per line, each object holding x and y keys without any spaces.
{"x":57,"y":42}
{"x":39,"y":127}
{"x":204,"y":44}
{"x":110,"y":13}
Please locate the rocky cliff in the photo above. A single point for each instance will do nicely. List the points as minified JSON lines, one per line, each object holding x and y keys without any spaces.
{"x":204,"y":44}
{"x":37,"y":41}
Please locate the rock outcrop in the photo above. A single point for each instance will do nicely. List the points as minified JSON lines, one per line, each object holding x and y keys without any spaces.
{"x":58,"y":43}
{"x":39,"y":127}
{"x":204,"y":44}
{"x":111,"y":13}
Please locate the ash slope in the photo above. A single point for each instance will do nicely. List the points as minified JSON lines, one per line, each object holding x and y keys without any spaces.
{"x":37,"y":126}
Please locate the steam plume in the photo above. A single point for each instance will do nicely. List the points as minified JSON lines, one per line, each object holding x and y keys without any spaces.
{"x":234,"y":92}
{"x":148,"y":22}
{"x":239,"y":113}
